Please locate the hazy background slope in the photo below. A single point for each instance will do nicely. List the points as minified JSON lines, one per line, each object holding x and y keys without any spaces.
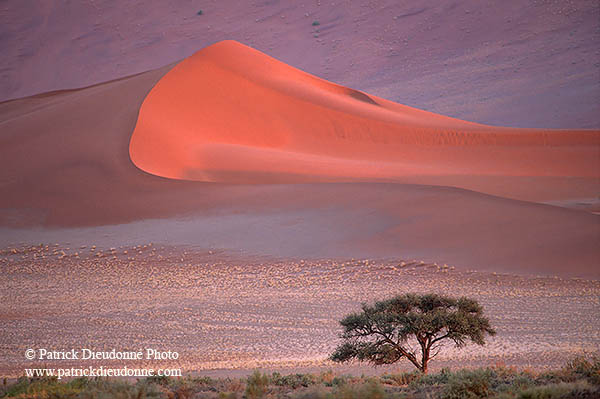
{"x":513,"y":63}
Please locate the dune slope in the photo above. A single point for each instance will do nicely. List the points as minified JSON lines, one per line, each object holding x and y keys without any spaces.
{"x":65,"y":167}
{"x":232,"y":114}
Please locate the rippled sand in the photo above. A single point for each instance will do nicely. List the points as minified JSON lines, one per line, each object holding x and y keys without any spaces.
{"x":226,"y":314}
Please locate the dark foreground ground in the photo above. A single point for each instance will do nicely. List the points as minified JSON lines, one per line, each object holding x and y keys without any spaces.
{"x":579,"y":378}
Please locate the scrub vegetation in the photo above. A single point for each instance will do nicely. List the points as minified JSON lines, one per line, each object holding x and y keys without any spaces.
{"x":579,"y":378}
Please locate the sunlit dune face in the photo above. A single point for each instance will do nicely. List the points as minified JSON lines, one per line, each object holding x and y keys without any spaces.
{"x":232,"y":114}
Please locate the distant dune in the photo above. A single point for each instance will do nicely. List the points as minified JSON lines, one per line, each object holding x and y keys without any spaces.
{"x":342,"y":161}
{"x":232,"y":114}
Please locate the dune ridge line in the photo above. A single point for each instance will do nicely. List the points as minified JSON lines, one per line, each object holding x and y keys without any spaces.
{"x":230,"y":113}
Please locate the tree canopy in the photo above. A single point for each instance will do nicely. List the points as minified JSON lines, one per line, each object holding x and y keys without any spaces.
{"x":411,"y":326}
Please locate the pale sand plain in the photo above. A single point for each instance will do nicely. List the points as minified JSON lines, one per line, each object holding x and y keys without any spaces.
{"x":227,"y":314}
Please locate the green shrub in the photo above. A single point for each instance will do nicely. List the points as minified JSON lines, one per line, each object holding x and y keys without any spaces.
{"x":293,"y":380}
{"x":326,"y":377}
{"x":431,"y":379}
{"x":368,"y":390}
{"x":469,"y":384}
{"x":313,"y":392}
{"x":400,"y":379}
{"x":339,"y":380}
{"x":257,"y":385}
{"x":371,"y":390}
{"x":159,"y":380}
{"x":202,"y":380}
{"x":46,"y":387}
{"x":200,"y":12}
{"x":120,"y":389}
{"x":316,"y":23}
{"x":580,"y":367}
{"x":515,"y":383}
{"x":562,"y":390}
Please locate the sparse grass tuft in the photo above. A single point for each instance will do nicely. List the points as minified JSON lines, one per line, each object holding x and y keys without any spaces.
{"x":293,"y":380}
{"x":469,"y":384}
{"x":581,"y":367}
{"x":80,"y":388}
{"x":400,"y":379}
{"x":562,"y":390}
{"x":257,"y":385}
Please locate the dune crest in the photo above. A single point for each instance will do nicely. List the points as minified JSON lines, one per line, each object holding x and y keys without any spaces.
{"x":230,"y":113}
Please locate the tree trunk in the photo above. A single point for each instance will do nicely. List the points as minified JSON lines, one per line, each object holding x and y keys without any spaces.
{"x":425,"y":358}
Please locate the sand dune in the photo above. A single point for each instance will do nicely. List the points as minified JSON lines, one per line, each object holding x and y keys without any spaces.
{"x":65,"y":165}
{"x":232,"y":114}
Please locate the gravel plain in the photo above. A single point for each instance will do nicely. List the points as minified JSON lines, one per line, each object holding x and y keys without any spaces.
{"x":228,"y":314}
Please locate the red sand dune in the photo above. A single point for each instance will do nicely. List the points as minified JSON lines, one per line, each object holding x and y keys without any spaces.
{"x":232,"y":114}
{"x":64,"y":162}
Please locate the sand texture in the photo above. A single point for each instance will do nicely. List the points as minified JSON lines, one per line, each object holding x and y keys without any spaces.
{"x":227,"y":315}
{"x":519,"y":64}
{"x":232,"y":114}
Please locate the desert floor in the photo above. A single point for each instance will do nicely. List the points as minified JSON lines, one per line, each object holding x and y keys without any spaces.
{"x":213,"y":206}
{"x":227,"y":314}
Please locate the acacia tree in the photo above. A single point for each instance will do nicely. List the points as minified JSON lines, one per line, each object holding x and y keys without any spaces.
{"x":411,"y":326}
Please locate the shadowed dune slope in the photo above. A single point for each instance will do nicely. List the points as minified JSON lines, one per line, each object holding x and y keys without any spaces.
{"x":232,"y":114}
